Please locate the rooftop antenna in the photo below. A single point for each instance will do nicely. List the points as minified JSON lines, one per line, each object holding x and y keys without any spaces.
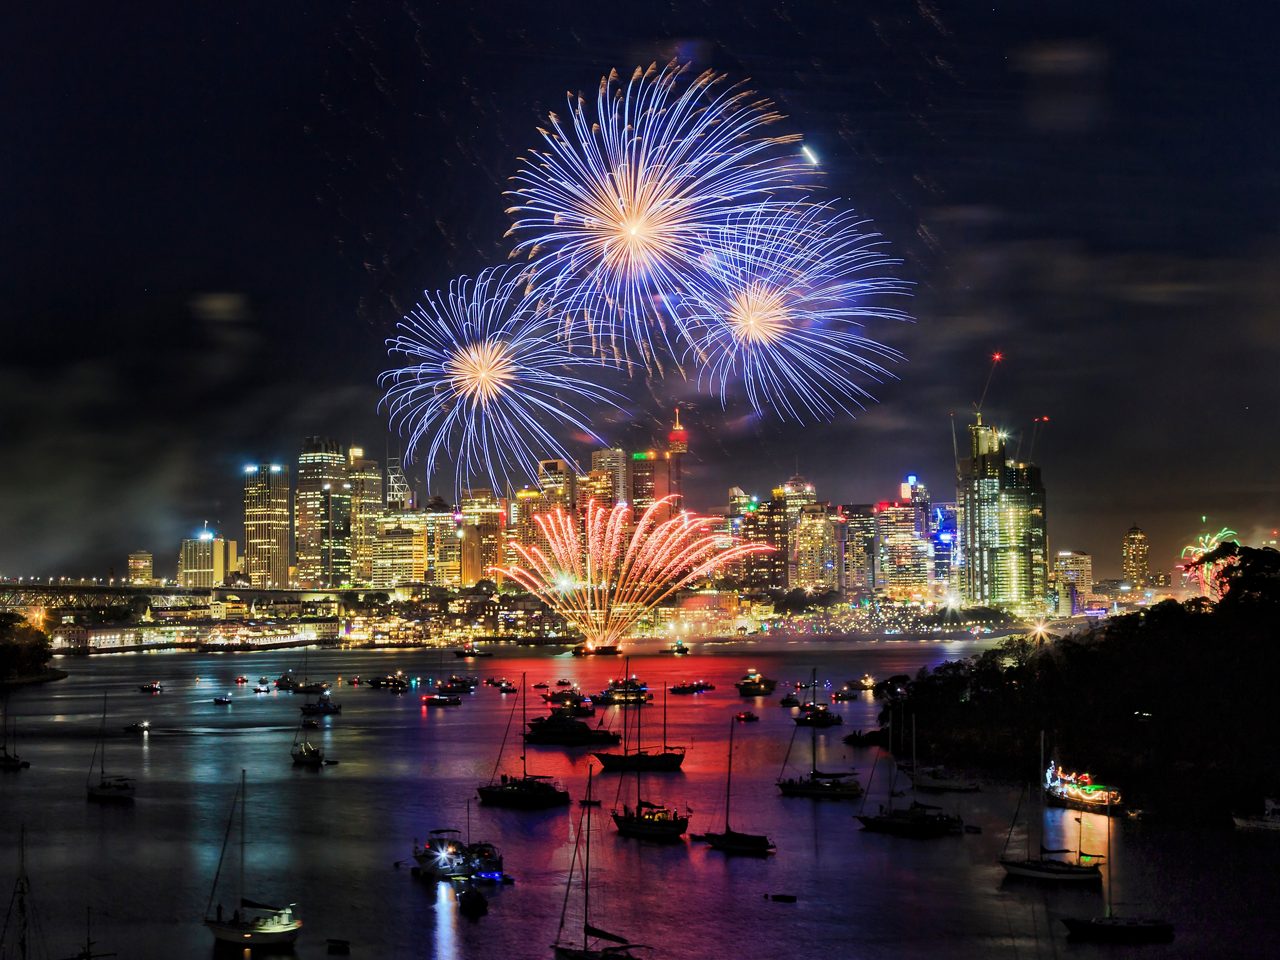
{"x":955,"y":448}
{"x":1035,"y":429}
{"x":995,"y":360}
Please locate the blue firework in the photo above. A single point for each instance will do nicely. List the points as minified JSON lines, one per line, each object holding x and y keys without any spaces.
{"x":781,"y":311}
{"x":614,"y":212}
{"x":490,"y":376}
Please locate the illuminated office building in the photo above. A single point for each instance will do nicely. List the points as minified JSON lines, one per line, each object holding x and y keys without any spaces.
{"x":206,"y":560}
{"x":614,"y":463}
{"x":482,"y":535}
{"x":767,"y":523}
{"x":399,"y":493}
{"x":650,"y":480}
{"x":559,"y":484}
{"x":597,"y":487}
{"x":322,"y":515}
{"x":1073,"y":571}
{"x":944,"y":534}
{"x":1135,"y":557}
{"x":904,"y":566}
{"x":677,"y":447}
{"x":816,"y":549}
{"x":444,"y":544}
{"x":266,"y":525}
{"x":365,"y":477}
{"x":1003,"y":532}
{"x":792,"y":497}
{"x":860,"y":568}
{"x":400,"y":549}
{"x":141,"y":568}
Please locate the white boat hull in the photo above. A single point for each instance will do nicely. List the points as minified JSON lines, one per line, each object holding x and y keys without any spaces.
{"x":249,"y":934}
{"x":1257,"y":823}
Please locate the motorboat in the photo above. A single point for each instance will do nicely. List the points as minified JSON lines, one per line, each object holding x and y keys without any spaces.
{"x":918,"y":821}
{"x":746,"y":716}
{"x":817,"y":715}
{"x":542,"y":685}
{"x":527,"y":791}
{"x":242,"y":679}
{"x":155,"y":686}
{"x":1269,"y":819}
{"x":261,"y":689}
{"x":559,"y":730}
{"x":1077,"y":791}
{"x":442,"y":857}
{"x":692,"y":687}
{"x":138,"y":726}
{"x":306,"y":754}
{"x":755,"y":684}
{"x":322,"y":707}
{"x":790,"y":700}
{"x":441,"y":700}
{"x":222,"y":700}
{"x":941,"y":780}
{"x":593,"y":650}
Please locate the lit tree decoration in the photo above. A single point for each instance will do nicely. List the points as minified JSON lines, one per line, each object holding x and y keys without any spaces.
{"x":614,"y":212}
{"x":1205,"y":574}
{"x":788,"y":289}
{"x":602,"y":575}
{"x":490,"y":373}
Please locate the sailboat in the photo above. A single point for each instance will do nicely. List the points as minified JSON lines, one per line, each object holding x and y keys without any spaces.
{"x":527,"y":791}
{"x":919,"y":821}
{"x":1110,"y":928}
{"x":86,"y":952}
{"x":304,"y":752}
{"x":1046,"y":867}
{"x":251,"y":923}
{"x":668,"y":760}
{"x":9,"y":759}
{"x":648,"y":820}
{"x":620,"y":948}
{"x":817,"y":784}
{"x":106,"y":789}
{"x":732,"y":841}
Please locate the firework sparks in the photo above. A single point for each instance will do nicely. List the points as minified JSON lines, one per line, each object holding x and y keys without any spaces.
{"x":614,"y":213}
{"x":490,"y":374}
{"x":1205,"y":575}
{"x":788,"y":290}
{"x":603,"y":576}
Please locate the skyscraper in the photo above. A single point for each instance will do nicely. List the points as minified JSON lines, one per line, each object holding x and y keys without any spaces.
{"x":206,"y":560}
{"x":860,"y":548}
{"x":1074,"y":573}
{"x":792,"y":497}
{"x":322,"y":515}
{"x":399,"y":493}
{"x":677,"y":447}
{"x":816,"y":549}
{"x":266,"y":525}
{"x":614,"y":462}
{"x":365,"y":477}
{"x":141,"y":568}
{"x":650,"y":480}
{"x":1004,"y":539}
{"x":559,"y":484}
{"x":1135,"y":557}
{"x":767,"y":524}
{"x":904,"y":559}
{"x":400,"y":549}
{"x":482,"y":535}
{"x":444,"y":544}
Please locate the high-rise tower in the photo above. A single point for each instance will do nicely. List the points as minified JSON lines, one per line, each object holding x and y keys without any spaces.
{"x":322,"y":515}
{"x":1004,"y":540}
{"x":1135,"y":557}
{"x":365,"y":477}
{"x":677,"y":447}
{"x":266,"y":525}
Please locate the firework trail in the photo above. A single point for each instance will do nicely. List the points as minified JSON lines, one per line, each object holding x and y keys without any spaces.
{"x":489,"y":374}
{"x":788,"y":289}
{"x":614,"y":212}
{"x":1205,"y":575}
{"x":602,"y":575}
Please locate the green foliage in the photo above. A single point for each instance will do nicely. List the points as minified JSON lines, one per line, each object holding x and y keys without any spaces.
{"x":1149,"y":701}
{"x":24,"y":650}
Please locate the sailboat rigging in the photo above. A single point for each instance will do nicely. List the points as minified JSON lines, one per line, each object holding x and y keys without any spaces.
{"x":107,"y":789}
{"x":9,"y":759}
{"x":592,"y":937}
{"x":733,"y":841}
{"x":816,"y":783}
{"x":252,"y":922}
{"x":527,"y":791}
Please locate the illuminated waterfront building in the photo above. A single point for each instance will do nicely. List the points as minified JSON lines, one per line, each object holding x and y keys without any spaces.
{"x":1003,"y":533}
{"x":597,"y":487}
{"x":614,"y":463}
{"x":521,"y":527}
{"x":322,"y":515}
{"x":650,"y":480}
{"x":860,"y":567}
{"x":400,"y":549}
{"x":444,"y":545}
{"x":206,"y":560}
{"x":266,"y":525}
{"x":365,"y":477}
{"x":1135,"y":557}
{"x":904,"y":565}
{"x":767,"y":524}
{"x":944,"y":536}
{"x":141,"y":568}
{"x":792,"y":497}
{"x":1073,"y":572}
{"x":558,"y":483}
{"x":817,"y":549}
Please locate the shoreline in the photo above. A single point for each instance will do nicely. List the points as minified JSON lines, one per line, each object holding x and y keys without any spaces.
{"x":50,"y":675}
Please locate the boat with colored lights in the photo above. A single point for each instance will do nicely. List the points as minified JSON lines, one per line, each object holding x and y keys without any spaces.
{"x":755,"y":684}
{"x":1077,"y":791}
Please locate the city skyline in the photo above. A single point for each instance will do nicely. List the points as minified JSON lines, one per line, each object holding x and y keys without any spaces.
{"x":1096,"y":291}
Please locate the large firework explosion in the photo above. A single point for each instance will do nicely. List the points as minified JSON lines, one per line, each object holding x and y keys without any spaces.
{"x":1205,"y":575}
{"x":602,"y":575}
{"x":489,"y":373}
{"x":614,"y":212}
{"x":788,"y":287}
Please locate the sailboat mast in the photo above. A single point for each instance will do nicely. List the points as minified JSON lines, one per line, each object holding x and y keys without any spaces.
{"x":586,"y":868}
{"x":664,"y":718}
{"x":813,"y":731}
{"x":102,"y":739}
{"x":524,"y":747}
{"x":244,"y":802}
{"x":1110,"y":870}
{"x":728,"y":780}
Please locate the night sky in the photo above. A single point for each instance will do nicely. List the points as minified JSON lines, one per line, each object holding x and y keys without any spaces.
{"x":214,"y":215}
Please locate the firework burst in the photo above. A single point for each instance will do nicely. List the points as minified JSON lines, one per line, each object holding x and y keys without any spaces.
{"x":489,"y":374}
{"x":1205,"y":575}
{"x":788,"y":289}
{"x":614,"y":212}
{"x":603,"y":575}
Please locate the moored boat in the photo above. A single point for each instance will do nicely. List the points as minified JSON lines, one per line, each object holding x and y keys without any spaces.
{"x":1077,"y":791}
{"x":1269,"y":819}
{"x":729,"y":840}
{"x":104,"y":788}
{"x":755,"y":684}
{"x":527,"y":791}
